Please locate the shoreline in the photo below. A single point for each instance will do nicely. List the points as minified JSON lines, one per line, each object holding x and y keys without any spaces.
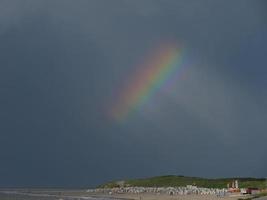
{"x":147,"y":196}
{"x":115,"y":196}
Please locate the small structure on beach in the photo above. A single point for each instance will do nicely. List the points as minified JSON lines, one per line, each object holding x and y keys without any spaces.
{"x":251,"y":190}
{"x":233,"y":186}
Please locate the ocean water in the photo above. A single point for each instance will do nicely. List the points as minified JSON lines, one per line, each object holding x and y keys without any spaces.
{"x":21,"y":196}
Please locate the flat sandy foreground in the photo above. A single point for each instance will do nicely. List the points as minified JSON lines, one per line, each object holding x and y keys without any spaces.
{"x":82,"y":195}
{"x":168,"y":197}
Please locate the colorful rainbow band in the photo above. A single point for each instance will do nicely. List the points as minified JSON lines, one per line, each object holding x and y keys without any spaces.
{"x":152,"y":76}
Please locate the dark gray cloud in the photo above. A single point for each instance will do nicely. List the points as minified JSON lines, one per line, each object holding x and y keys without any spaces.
{"x":63,"y":61}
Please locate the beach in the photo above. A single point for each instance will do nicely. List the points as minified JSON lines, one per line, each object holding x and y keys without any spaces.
{"x":83,"y":195}
{"x":166,"y":197}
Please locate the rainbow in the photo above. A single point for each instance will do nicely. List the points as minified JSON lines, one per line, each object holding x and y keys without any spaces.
{"x":154,"y":73}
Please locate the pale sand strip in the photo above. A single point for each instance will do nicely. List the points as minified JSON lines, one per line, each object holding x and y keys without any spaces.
{"x":168,"y":197}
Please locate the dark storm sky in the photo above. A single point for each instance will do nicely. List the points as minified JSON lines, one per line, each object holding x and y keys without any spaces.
{"x":61,"y":63}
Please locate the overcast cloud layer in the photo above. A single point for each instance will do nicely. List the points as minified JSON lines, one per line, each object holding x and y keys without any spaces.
{"x":62,"y":62}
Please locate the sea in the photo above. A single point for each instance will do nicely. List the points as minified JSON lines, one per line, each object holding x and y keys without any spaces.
{"x":13,"y":195}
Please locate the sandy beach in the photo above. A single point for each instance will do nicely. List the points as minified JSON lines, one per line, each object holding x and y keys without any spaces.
{"x":167,"y":197}
{"x":81,"y":194}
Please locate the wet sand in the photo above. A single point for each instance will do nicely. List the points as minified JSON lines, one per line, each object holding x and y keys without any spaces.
{"x":83,"y":195}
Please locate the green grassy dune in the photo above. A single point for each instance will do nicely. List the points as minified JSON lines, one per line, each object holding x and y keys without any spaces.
{"x":175,"y":181}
